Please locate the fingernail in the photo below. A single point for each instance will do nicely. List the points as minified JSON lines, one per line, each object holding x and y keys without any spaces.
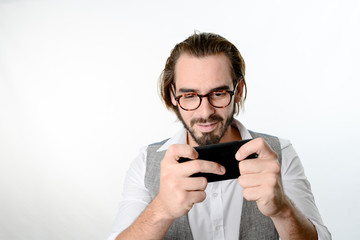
{"x":222,"y":169}
{"x":237,"y":156}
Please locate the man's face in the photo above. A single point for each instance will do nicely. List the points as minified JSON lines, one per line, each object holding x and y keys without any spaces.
{"x":206,"y":124}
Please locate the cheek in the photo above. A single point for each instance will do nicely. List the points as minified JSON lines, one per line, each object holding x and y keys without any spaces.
{"x":184,"y":115}
{"x":187,"y":116}
{"x":226,"y":112}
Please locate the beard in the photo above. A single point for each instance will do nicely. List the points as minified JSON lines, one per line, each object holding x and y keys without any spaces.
{"x":210,"y":137}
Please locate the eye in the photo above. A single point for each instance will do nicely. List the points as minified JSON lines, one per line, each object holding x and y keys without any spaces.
{"x":189,"y":96}
{"x":218,"y":94}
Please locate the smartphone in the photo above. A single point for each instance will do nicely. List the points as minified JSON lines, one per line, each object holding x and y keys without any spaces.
{"x":224,"y":154}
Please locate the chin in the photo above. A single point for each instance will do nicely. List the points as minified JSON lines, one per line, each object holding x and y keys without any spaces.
{"x":206,"y":138}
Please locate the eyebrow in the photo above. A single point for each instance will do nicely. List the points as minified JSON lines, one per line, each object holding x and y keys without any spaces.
{"x":187,"y":90}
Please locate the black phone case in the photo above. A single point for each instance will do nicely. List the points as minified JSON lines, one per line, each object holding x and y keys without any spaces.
{"x":224,"y":154}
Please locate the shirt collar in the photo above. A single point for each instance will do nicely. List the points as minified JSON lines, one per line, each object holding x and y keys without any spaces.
{"x":181,"y":136}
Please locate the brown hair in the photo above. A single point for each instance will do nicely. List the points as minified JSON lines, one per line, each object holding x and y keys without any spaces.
{"x":202,"y":45}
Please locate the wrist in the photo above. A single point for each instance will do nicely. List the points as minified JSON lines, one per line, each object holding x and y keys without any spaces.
{"x":151,"y":224}
{"x":159,"y":211}
{"x":285,"y":211}
{"x":292,"y":224}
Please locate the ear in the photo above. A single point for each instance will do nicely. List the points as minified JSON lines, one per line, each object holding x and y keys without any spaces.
{"x":172,"y":92}
{"x":239,"y":91}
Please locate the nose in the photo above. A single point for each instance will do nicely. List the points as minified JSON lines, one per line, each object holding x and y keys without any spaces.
{"x":205,"y":109}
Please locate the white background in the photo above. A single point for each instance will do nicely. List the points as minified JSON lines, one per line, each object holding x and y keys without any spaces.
{"x":78,"y":98}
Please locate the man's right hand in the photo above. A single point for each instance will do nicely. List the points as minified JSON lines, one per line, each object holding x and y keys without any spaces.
{"x":178,"y":191}
{"x":177,"y":194}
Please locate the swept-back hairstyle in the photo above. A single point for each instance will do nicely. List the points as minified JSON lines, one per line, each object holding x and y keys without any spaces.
{"x":202,"y":45}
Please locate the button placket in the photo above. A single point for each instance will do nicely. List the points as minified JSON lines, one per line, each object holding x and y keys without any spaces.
{"x":217,"y":216}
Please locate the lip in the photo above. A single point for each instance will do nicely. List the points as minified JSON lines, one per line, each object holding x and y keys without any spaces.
{"x":206,"y":127}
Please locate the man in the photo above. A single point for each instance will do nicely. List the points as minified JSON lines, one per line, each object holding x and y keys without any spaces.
{"x":203,"y":83}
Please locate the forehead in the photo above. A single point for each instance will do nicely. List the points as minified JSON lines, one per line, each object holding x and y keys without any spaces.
{"x":202,"y":73}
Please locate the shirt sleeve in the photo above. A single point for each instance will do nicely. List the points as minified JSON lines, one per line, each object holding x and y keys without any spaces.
{"x":135,"y":197}
{"x":298,"y":189}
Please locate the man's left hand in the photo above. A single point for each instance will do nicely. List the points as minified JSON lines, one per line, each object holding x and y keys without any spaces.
{"x":261,"y":177}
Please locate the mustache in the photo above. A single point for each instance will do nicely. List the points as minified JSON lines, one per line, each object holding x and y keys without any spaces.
{"x":211,"y":119}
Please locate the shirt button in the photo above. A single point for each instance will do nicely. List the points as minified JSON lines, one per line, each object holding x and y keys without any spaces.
{"x":217,"y":228}
{"x":215,"y":194}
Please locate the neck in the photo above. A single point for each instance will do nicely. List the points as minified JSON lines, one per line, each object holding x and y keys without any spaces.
{"x":232,"y":134}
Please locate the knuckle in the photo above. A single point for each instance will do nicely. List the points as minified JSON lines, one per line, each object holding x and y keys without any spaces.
{"x":243,"y":166}
{"x":277,"y":167}
{"x":203,"y":183}
{"x":272,"y":180}
{"x":196,"y":166}
{"x":269,"y":193}
{"x":172,"y":185}
{"x":203,"y":195}
{"x":242,"y":149}
{"x":164,"y":175}
{"x":274,"y":166}
{"x":273,"y":154}
{"x":261,"y":142}
{"x":182,"y":198}
{"x":241,"y":181}
{"x":171,"y":150}
{"x":246,"y":193}
{"x":166,"y":170}
{"x":264,"y":145}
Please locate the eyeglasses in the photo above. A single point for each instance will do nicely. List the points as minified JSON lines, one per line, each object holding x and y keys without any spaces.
{"x":192,"y":101}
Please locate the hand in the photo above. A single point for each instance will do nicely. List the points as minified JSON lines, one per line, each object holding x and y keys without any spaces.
{"x":178,"y":191}
{"x":261,"y":177}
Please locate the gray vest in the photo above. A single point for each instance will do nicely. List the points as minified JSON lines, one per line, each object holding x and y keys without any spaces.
{"x":253,"y":226}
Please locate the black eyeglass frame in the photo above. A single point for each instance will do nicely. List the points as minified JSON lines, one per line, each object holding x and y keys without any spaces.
{"x":177,"y":98}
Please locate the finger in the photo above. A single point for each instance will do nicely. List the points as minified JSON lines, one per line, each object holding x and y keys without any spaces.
{"x":203,"y":166}
{"x":196,"y":196}
{"x":252,"y":194}
{"x":175,"y":151}
{"x":194,"y":183}
{"x":249,"y":180}
{"x":188,"y":199}
{"x":254,"y":180}
{"x":258,"y":166}
{"x":257,"y":145}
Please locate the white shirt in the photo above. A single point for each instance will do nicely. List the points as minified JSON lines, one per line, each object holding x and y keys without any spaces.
{"x":218,"y":216}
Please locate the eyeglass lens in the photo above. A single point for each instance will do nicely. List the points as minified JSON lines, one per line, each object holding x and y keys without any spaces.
{"x":218,"y":99}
